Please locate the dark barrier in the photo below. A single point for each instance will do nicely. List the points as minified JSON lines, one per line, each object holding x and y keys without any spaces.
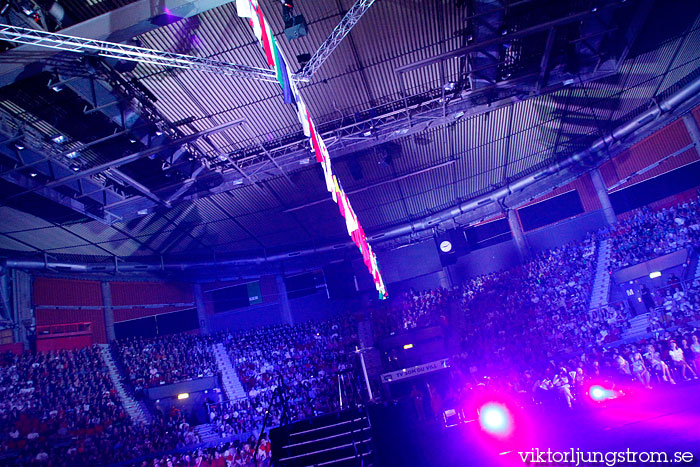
{"x":657,"y":264}
{"x":172,"y":390}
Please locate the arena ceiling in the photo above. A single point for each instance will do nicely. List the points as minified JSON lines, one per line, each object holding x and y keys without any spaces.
{"x":424,"y":105}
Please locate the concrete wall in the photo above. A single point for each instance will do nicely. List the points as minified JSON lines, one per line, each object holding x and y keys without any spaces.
{"x":318,"y":307}
{"x":247,"y":318}
{"x":574,"y":229}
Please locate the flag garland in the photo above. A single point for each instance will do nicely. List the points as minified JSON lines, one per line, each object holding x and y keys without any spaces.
{"x":251,"y":10}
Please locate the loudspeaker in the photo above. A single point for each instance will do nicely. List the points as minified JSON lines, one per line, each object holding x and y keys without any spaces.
{"x":296,"y":28}
{"x":451,"y":244}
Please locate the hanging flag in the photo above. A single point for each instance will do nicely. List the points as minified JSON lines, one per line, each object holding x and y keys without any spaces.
{"x":251,"y":10}
{"x":245,"y":9}
{"x":301,"y":109}
{"x":282,"y":72}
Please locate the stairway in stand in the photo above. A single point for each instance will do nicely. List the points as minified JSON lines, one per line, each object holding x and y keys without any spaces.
{"x":207,"y":433}
{"x":601,"y":283}
{"x":339,"y":439}
{"x":137,"y":411}
{"x":233,"y":389}
{"x":638,"y":327}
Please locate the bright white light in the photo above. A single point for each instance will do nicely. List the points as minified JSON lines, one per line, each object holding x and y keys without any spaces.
{"x":184,"y":395}
{"x":495,"y":419}
{"x":655,"y":274}
{"x":599,"y":393}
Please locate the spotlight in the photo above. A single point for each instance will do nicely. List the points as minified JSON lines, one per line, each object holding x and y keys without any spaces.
{"x":450,"y":86}
{"x":19,"y":146}
{"x":57,"y":88}
{"x":58,"y":139}
{"x":655,"y":274}
{"x":184,"y":395}
{"x":599,"y":393}
{"x":495,"y":418}
{"x":33,"y":174}
{"x":73,"y":155}
{"x":132,"y":140}
{"x":75,"y":167}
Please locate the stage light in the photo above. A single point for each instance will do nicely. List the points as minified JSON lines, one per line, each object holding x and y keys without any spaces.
{"x":58,"y":139}
{"x":33,"y":174}
{"x":407,"y":346}
{"x":495,"y":419}
{"x":19,"y":146}
{"x":599,"y":393}
{"x":73,"y":155}
{"x":184,"y":395}
{"x":655,"y":274}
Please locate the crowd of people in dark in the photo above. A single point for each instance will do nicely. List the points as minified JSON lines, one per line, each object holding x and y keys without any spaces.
{"x":149,"y":362}
{"x":305,"y":359}
{"x":529,"y":328}
{"x":235,"y":454}
{"x":61,"y":409}
{"x":650,"y":233}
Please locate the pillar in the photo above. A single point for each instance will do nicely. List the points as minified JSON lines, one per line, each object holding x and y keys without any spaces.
{"x":285,"y":309}
{"x":602,"y":192}
{"x":518,"y":236}
{"x":693,"y":129}
{"x":201,"y":309}
{"x":445,"y":279}
{"x":22,"y":313}
{"x":108,"y":310}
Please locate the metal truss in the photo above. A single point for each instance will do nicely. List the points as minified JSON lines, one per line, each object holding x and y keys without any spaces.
{"x":336,"y":37}
{"x":46,"y":161}
{"x":131,"y":53}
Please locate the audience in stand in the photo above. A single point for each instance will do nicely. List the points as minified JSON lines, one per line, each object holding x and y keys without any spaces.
{"x":149,"y":362}
{"x":61,"y":409}
{"x":306,"y":358}
{"x":648,"y":233}
{"x":227,"y":454}
{"x":528,"y":329}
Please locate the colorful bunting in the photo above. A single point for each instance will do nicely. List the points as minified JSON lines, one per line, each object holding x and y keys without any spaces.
{"x":250,"y":9}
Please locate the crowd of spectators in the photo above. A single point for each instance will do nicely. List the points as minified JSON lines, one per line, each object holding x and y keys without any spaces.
{"x":528,"y":328}
{"x":149,"y":362}
{"x":235,"y":454}
{"x":648,"y":233}
{"x":306,"y":358}
{"x":61,"y":409}
{"x":672,"y":357}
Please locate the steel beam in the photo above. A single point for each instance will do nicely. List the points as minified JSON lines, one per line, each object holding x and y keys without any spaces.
{"x":128,"y":52}
{"x":133,"y":157}
{"x":335,"y":38}
{"x":573,"y":18}
{"x":118,"y":25}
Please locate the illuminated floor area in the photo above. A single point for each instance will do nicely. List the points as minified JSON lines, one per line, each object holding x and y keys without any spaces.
{"x":666,"y":419}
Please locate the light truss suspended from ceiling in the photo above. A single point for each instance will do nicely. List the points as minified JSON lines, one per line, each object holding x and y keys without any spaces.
{"x":131,"y":53}
{"x":335,"y":38}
